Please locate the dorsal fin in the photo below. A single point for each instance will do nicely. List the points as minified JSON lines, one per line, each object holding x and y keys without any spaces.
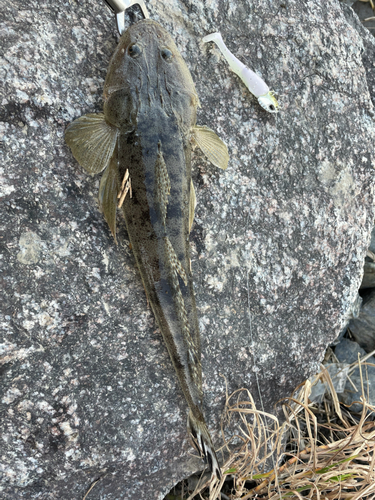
{"x":163,"y":184}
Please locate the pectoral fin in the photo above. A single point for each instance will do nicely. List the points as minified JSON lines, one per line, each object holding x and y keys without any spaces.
{"x":213,"y":147}
{"x":92,"y":141}
{"x":192,"y":205}
{"x":108,"y":189}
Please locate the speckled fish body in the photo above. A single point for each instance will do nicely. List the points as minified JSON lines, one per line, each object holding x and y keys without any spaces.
{"x":144,"y":138}
{"x":157,"y":153}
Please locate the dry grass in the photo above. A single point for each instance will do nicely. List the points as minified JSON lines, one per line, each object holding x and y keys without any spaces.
{"x":330,"y":451}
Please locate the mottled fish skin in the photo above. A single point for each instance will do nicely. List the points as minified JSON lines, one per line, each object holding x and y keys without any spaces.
{"x":151,"y":103}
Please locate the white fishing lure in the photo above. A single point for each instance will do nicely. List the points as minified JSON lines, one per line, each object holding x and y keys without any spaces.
{"x":252,"y":81}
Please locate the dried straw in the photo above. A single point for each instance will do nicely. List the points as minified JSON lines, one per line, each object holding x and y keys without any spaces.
{"x":329,"y":455}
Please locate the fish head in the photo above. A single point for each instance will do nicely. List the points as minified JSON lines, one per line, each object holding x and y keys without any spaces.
{"x":269,"y":102}
{"x":147,"y":69}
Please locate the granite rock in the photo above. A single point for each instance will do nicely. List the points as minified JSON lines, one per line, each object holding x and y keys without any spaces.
{"x":88,"y":391}
{"x":368,"y":47}
{"x":368,"y":280}
{"x":362,"y":328}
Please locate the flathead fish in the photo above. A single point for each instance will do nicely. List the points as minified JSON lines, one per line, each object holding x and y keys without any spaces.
{"x":143,"y":142}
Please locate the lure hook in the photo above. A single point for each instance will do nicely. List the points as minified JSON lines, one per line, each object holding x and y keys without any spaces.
{"x":119,"y":7}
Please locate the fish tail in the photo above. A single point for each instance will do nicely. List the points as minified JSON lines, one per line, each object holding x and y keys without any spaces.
{"x":202,"y":442}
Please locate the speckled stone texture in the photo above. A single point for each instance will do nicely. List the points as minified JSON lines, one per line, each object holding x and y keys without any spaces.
{"x":87,"y":390}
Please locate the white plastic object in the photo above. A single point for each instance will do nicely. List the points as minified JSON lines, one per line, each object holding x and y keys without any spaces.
{"x":119,"y":7}
{"x":253,"y":82}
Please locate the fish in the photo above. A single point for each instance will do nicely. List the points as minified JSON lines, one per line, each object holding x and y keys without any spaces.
{"x":142,"y":143}
{"x":253,"y":82}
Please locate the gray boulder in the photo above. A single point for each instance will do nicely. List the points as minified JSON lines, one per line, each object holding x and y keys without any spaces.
{"x":347,"y":353}
{"x":368,"y":280}
{"x":362,"y":328}
{"x":365,"y":13}
{"x":89,"y":396}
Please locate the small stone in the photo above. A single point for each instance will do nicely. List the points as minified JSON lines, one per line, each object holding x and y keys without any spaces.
{"x":362,"y":328}
{"x":347,"y":352}
{"x":368,"y":280}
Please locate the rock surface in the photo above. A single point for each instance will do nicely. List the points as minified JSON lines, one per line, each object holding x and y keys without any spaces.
{"x":362,"y":328}
{"x":88,"y":392}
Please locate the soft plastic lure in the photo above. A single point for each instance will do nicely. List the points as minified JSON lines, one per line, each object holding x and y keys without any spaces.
{"x":253,"y":82}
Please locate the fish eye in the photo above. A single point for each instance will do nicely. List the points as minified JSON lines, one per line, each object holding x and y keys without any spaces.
{"x":134,"y":50}
{"x":166,"y":54}
{"x":272,"y":107}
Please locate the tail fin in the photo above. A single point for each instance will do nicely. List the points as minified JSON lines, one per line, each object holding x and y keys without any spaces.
{"x":202,"y":442}
{"x":212,"y":37}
